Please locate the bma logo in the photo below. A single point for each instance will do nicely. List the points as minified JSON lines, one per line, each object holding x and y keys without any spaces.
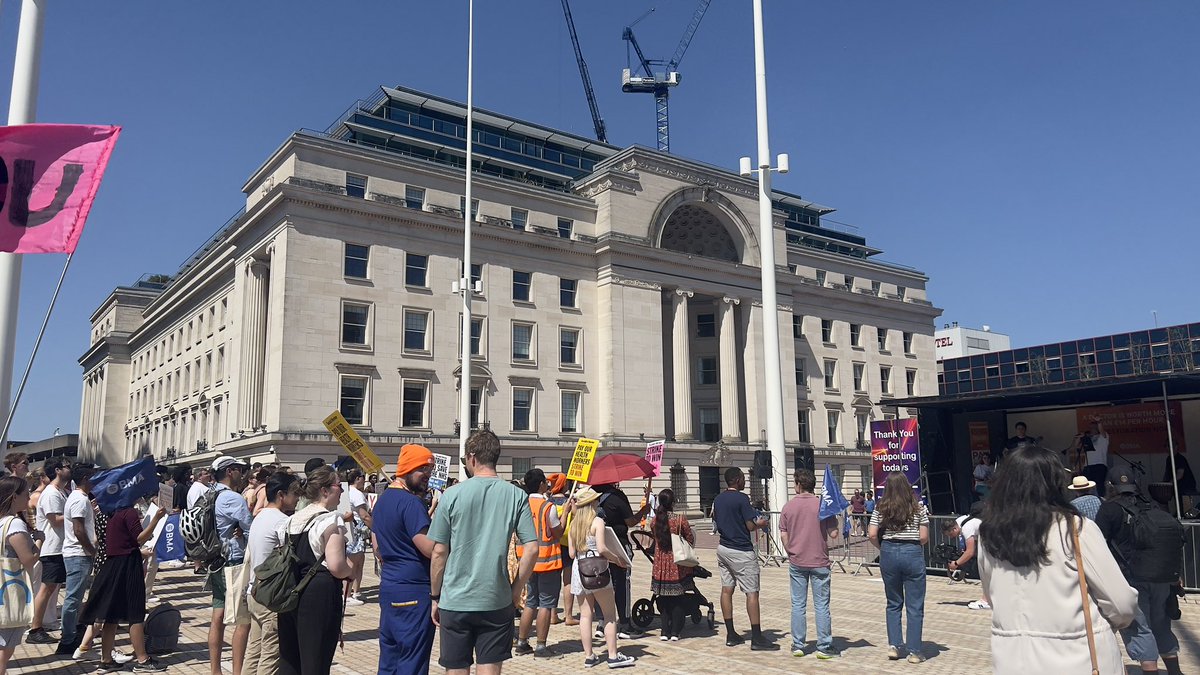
{"x":15,"y":579}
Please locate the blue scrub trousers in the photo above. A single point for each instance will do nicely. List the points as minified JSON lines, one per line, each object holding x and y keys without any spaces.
{"x":405,"y":629}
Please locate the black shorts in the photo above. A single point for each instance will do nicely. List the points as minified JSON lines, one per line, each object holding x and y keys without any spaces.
{"x":54,"y":570}
{"x":487,"y":635}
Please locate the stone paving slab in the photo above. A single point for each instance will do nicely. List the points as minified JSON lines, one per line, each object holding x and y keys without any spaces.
{"x":956,"y":638}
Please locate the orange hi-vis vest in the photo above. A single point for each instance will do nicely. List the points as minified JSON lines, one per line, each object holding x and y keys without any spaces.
{"x":549,"y":549}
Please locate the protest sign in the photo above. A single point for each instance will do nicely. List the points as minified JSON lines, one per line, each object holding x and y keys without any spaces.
{"x":170,"y":541}
{"x":441,"y":471}
{"x":366,"y":458}
{"x":654,"y":455}
{"x":581,"y":460}
{"x":895,"y":447}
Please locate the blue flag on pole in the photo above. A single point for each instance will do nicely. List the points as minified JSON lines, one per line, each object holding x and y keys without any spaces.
{"x":121,"y":487}
{"x":832,"y":501}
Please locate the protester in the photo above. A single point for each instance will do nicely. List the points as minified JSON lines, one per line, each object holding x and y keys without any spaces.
{"x":229,"y":583}
{"x":79,"y":553}
{"x":1151,"y":569}
{"x":900,"y":528}
{"x":1029,"y":566}
{"x":668,"y":580}
{"x":858,"y":513}
{"x":50,"y":522}
{"x":14,"y":499}
{"x":17,"y":464}
{"x":308,"y":637}
{"x":202,"y":484}
{"x":735,"y":520}
{"x":805,"y":536}
{"x":95,"y":628}
{"x":179,"y":492}
{"x":1085,"y":500}
{"x":966,"y":529}
{"x":982,"y":475}
{"x":357,"y":545}
{"x":587,"y":539}
{"x":37,"y":482}
{"x":558,"y":495}
{"x":119,"y":592}
{"x":618,"y":514}
{"x":1019,"y":441}
{"x":256,"y":498}
{"x":400,"y":526}
{"x":541,"y":594}
{"x":473,"y":597}
{"x":262,"y":646}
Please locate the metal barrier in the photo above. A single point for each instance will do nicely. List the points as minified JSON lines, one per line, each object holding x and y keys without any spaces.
{"x":1191,"y":556}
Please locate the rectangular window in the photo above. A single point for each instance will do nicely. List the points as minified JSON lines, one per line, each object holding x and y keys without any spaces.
{"x":827,"y":331}
{"x":885,"y":379}
{"x":858,"y":377}
{"x":476,"y":400}
{"x":416,"y":330}
{"x":706,"y":325}
{"x":882,"y":335}
{"x":462,"y":205}
{"x":353,"y":399}
{"x":821,"y":276}
{"x":520,"y":218}
{"x":568,"y":340}
{"x":416,"y":270}
{"x":832,"y":420}
{"x":855,"y":335}
{"x":910,"y":382}
{"x":412,"y":406}
{"x":355,"y":262}
{"x":355,"y":322}
{"x":801,"y":376}
{"x":522,"y":342}
{"x":566,"y":292}
{"x":522,"y":409}
{"x":860,"y":423}
{"x":797,"y":326}
{"x":414,"y":197}
{"x":830,"y":374}
{"x":901,"y":292}
{"x":356,"y":185}
{"x":908,"y":343}
{"x":521,"y":282}
{"x":706,"y":370}
{"x":710,"y":425}
{"x":476,"y":335}
{"x":849,"y":282}
{"x":875,"y":286}
{"x":565,"y":227}
{"x":570,"y":412}
{"x":803,"y":430}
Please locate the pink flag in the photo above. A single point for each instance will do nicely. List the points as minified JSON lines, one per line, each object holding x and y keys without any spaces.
{"x":49,"y":174}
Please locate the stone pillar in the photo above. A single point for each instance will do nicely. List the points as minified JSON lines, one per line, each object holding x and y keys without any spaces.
{"x":254,"y":335}
{"x":681,"y":364}
{"x":731,"y":419}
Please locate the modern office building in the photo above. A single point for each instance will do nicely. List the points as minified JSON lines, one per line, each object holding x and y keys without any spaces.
{"x":952,"y":341}
{"x":620,"y":300}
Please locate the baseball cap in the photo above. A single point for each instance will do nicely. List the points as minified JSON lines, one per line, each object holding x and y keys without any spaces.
{"x":225,"y":461}
{"x":1123,"y":482}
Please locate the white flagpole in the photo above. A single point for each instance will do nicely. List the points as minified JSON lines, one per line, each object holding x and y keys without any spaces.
{"x":465,"y":283}
{"x":22,"y":109}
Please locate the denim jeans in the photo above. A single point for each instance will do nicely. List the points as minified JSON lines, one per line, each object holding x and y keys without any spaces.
{"x":818,"y":578}
{"x":1152,"y":601}
{"x":79,"y":577}
{"x":903,"y":568}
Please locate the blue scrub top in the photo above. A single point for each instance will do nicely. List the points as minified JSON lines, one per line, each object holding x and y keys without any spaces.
{"x":398,"y":516}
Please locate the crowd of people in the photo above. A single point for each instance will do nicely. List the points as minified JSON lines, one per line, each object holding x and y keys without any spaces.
{"x":487,"y":564}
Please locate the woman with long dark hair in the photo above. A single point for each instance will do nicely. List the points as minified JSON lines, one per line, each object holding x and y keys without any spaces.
{"x":1029,"y":566}
{"x":900,"y":528}
{"x":668,"y":580}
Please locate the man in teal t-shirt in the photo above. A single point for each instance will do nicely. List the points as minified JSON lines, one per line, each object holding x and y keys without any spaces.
{"x":473,"y":598}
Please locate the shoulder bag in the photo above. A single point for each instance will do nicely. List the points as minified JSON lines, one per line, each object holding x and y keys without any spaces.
{"x":16,"y":590}
{"x":1083,"y":590}
{"x":684,"y":553}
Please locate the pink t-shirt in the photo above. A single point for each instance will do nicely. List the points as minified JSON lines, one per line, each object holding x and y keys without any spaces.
{"x":806,"y":535}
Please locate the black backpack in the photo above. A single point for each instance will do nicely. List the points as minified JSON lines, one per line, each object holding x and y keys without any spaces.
{"x":1158,"y":541}
{"x":162,"y":629}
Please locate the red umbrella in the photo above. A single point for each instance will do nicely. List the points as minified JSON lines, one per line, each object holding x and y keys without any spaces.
{"x":618,"y":467}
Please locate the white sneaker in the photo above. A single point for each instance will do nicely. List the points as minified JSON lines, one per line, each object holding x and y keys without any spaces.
{"x":121,"y":657}
{"x":79,"y":653}
{"x":353,"y":602}
{"x":978,"y":604}
{"x":152,"y":600}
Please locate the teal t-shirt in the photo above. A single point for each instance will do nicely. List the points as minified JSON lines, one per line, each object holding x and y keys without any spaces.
{"x":476,"y":519}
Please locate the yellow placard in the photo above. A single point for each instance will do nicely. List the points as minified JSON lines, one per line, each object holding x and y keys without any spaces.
{"x":353,"y":443}
{"x":581,"y":460}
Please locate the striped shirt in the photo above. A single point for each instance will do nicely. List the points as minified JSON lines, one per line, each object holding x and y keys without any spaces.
{"x":911,"y":531}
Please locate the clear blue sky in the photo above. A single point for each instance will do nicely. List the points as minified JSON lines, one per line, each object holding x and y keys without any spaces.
{"x":1033,"y":158}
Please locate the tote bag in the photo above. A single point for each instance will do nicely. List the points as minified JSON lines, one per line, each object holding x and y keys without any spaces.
{"x":685,"y":555}
{"x":17,"y":596}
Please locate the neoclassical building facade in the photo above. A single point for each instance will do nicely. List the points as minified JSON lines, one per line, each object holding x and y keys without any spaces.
{"x":620,"y":300}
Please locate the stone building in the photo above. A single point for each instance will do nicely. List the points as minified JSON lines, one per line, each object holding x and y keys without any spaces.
{"x":620,"y":300}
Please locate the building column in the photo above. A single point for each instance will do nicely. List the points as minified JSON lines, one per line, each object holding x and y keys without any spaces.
{"x":681,"y":364}
{"x":731,"y":419}
{"x":254,"y":337}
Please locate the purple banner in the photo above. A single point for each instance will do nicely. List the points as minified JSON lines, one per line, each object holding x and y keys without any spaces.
{"x":895,"y":447}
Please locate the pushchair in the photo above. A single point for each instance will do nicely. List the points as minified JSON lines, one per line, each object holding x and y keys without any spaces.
{"x":642,"y":614}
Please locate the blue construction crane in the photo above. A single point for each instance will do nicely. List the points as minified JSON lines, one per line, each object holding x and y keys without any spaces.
{"x":597,"y":121}
{"x":658,"y":82}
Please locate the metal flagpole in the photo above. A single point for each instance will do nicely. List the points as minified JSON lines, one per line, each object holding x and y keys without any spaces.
{"x":1171,"y":450}
{"x":465,"y":284}
{"x":22,"y":108}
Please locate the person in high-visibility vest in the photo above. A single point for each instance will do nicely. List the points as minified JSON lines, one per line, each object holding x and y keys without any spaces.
{"x":541,"y":594}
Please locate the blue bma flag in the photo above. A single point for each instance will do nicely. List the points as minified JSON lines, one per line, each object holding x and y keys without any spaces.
{"x":832,"y":501}
{"x":121,"y":487}
{"x":170,"y":542}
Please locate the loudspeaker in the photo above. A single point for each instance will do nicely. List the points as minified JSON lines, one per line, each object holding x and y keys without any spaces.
{"x":762,"y":464}
{"x":803,"y":459}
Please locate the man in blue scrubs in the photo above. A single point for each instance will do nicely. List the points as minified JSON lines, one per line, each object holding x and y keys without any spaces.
{"x":398,"y":527}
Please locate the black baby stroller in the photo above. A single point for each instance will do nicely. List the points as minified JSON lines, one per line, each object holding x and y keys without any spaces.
{"x":695,"y":602}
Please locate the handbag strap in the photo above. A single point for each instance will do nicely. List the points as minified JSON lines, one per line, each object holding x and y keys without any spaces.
{"x":1083,"y":590}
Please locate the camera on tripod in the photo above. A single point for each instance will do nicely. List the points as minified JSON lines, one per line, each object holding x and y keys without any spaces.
{"x":947,"y":552}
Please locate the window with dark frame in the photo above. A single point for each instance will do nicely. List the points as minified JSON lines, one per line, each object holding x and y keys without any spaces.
{"x":830,"y":374}
{"x":356,"y":185}
{"x":519,"y":218}
{"x":803,"y":430}
{"x":882,"y":335}
{"x":885,"y":379}
{"x":355,"y":319}
{"x":855,"y":335}
{"x":522,"y":342}
{"x":416,"y":331}
{"x":416,"y":270}
{"x":570,"y":412}
{"x":568,"y":339}
{"x":707,"y":370}
{"x":414,"y":197}
{"x":353,"y":399}
{"x":706,"y":325}
{"x":565,"y":227}
{"x":567,"y":293}
{"x":826,"y":331}
{"x":522,"y":409}
{"x":521,"y":282}
{"x":910,"y":382}
{"x":412,"y":406}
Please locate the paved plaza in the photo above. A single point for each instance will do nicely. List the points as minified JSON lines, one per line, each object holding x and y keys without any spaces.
{"x":956,"y":638}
